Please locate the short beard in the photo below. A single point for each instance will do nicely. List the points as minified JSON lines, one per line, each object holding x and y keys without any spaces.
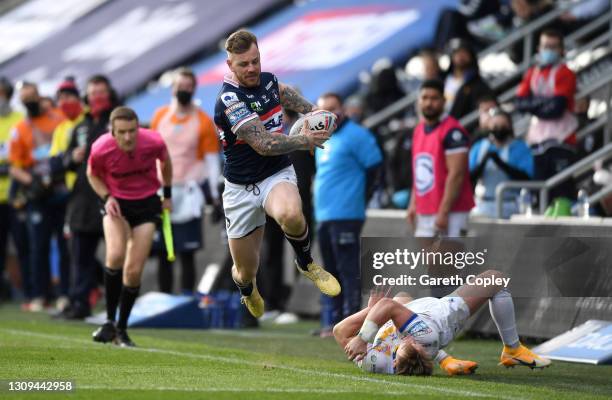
{"x":432,"y":116}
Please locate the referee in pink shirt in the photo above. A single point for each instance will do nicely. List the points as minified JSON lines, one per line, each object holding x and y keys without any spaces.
{"x":122,"y":170}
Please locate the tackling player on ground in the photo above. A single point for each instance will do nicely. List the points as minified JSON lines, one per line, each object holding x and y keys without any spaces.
{"x":259,"y":177}
{"x":415,"y":332}
{"x":122,"y":170}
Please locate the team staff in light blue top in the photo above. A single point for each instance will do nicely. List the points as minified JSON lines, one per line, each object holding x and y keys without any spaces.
{"x":495,"y":159}
{"x":347,"y":171}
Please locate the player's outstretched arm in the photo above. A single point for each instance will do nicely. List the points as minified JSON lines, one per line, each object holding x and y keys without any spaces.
{"x":292,"y":100}
{"x":348,"y":328}
{"x":384,"y":310}
{"x":254,"y":133}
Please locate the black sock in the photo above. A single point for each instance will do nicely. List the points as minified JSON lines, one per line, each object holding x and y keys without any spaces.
{"x":245,"y":289}
{"x":112,"y":286}
{"x":301,"y":245}
{"x":128,"y":297}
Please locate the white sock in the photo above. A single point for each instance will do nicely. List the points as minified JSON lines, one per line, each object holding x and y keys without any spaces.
{"x":441,"y":356}
{"x":501,"y":307}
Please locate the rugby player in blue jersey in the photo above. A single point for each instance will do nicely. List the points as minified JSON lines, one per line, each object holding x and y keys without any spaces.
{"x":259,"y":177}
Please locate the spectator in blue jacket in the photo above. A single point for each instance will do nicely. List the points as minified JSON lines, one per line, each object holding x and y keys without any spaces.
{"x":347,"y":172}
{"x":495,"y":159}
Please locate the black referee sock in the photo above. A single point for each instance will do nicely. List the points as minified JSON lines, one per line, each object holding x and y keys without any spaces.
{"x":245,"y":288}
{"x":112,"y":287}
{"x":128,"y":297}
{"x":301,"y":245}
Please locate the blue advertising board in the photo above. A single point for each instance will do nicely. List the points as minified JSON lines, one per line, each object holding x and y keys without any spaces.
{"x":320,"y":46}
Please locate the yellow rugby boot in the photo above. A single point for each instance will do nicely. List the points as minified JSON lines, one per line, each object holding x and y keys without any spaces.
{"x":522,"y":356}
{"x":325,"y":281}
{"x":453,"y":366}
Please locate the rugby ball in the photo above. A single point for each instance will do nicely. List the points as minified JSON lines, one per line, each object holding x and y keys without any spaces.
{"x":319,"y":120}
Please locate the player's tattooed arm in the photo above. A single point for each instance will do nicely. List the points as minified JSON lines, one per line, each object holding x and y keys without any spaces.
{"x":254,"y":133}
{"x":292,"y":100}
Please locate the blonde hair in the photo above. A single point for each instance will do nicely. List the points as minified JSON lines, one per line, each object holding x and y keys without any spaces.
{"x":240,"y":41}
{"x":412,"y":361}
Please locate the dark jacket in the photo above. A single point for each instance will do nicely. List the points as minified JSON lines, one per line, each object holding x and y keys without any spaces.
{"x":84,"y":207}
{"x":466,"y":99}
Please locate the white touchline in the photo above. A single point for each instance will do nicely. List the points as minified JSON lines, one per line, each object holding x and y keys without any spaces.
{"x":237,"y":390}
{"x":259,"y":364}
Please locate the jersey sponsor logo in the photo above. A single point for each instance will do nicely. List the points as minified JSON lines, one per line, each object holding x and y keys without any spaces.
{"x":265,"y":98}
{"x":269,"y":85}
{"x":229,"y":98}
{"x":237,"y":112}
{"x":273,"y":120}
{"x":419,"y":329}
{"x":256,"y":106}
{"x":424,"y":176}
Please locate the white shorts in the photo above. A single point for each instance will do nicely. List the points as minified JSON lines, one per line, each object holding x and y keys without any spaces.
{"x":426,"y":224}
{"x":244,"y":209}
{"x":445,"y":317}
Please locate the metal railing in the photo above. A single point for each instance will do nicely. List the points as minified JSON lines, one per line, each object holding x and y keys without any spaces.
{"x":545,"y":186}
{"x":571,"y":42}
{"x":524,"y":33}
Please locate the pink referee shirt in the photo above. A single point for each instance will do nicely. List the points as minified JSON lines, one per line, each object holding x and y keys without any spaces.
{"x":129,"y":176}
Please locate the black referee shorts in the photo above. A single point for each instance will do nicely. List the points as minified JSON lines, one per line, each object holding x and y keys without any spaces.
{"x":140,"y":211}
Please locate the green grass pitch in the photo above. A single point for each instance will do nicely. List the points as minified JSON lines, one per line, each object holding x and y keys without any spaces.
{"x":269,"y":363}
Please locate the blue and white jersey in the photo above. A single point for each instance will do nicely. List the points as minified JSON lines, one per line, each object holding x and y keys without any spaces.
{"x":237,"y":105}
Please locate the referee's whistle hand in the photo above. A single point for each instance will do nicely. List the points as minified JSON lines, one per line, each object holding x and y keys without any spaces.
{"x":167,"y":204}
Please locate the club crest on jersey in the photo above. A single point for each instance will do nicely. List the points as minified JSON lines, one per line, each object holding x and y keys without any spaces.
{"x":424,"y":173}
{"x":229,"y":98}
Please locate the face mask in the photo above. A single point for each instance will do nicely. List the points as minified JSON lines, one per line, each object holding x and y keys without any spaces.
{"x":501,"y":134}
{"x":33,"y":108}
{"x":71,"y":109}
{"x":99,"y":104}
{"x":548,"y":57}
{"x":184,"y":97}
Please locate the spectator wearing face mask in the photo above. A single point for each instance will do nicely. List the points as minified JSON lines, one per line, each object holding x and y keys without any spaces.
{"x":498,"y":158}
{"x":70,"y":104}
{"x":486,"y":104}
{"x":547,"y":93}
{"x":191,"y":138}
{"x":84,"y":219}
{"x":42,"y":186}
